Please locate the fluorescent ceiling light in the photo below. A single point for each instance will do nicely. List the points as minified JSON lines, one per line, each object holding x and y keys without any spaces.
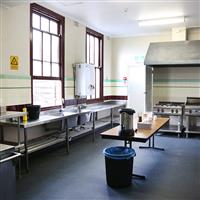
{"x":161,"y":21}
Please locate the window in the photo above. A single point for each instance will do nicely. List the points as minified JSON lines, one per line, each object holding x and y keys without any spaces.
{"x":47,"y":57}
{"x":94,"y":55}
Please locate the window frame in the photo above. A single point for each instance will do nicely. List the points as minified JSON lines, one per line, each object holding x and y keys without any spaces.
{"x":101,"y":61}
{"x":44,"y":12}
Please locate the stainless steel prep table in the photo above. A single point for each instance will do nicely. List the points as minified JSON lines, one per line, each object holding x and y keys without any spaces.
{"x":43,"y":119}
{"x":10,"y":115}
{"x":59,"y":116}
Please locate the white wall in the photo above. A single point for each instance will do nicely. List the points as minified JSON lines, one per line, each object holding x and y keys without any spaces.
{"x":74,"y":52}
{"x":129,"y":51}
{"x":119,"y":53}
{"x":16,"y":39}
{"x":1,"y":52}
{"x":107,"y":65}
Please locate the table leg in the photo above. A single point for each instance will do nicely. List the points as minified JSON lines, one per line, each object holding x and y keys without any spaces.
{"x":187,"y":125}
{"x":19,"y":165}
{"x":139,"y":176}
{"x":111,"y":117}
{"x":19,"y":144}
{"x":18,"y":131}
{"x":26,"y":150}
{"x":151,"y":146}
{"x":2,"y":133}
{"x":130,"y":144}
{"x":135,"y":175}
{"x":67,"y":135}
{"x":93,"y":125}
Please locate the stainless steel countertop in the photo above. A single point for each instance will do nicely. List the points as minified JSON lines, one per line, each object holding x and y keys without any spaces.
{"x":4,"y":147}
{"x":12,"y":114}
{"x":56,"y":115}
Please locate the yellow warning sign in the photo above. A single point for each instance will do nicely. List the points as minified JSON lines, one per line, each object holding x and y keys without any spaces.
{"x":14,"y":62}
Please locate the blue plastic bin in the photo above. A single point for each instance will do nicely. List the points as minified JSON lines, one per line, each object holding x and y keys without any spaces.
{"x":119,"y":166}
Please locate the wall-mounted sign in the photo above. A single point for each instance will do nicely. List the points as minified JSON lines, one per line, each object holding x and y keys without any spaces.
{"x":14,"y":62}
{"x":139,"y":59}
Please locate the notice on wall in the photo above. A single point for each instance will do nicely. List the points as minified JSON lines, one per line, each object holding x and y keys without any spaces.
{"x":14,"y":62}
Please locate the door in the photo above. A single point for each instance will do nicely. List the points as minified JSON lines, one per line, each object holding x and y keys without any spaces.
{"x":140,"y":88}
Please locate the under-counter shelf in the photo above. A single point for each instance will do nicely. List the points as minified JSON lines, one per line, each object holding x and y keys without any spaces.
{"x":170,"y":129}
{"x":55,"y":138}
{"x":43,"y":142}
{"x":173,"y":128}
{"x":193,"y":130}
{"x":87,"y":128}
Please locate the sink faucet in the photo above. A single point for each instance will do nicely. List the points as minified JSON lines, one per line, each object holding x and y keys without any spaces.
{"x":79,"y":108}
{"x":62,"y":103}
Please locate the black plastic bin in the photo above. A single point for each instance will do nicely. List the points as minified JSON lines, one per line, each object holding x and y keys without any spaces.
{"x":119,"y":166}
{"x":33,"y":112}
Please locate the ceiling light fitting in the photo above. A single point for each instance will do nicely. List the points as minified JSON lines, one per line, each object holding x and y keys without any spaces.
{"x":161,"y":21}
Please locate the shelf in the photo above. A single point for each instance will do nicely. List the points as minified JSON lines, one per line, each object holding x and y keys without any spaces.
{"x":170,"y":129}
{"x":167,"y":114}
{"x":87,"y":128}
{"x":43,"y":142}
{"x":193,"y":130}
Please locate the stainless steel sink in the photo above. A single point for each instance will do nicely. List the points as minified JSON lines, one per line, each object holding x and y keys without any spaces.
{"x":94,"y":107}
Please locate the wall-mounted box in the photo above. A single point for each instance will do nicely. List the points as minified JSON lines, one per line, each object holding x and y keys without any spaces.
{"x":179,"y":34}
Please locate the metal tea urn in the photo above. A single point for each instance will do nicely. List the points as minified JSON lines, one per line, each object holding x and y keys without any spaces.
{"x":126,"y":119}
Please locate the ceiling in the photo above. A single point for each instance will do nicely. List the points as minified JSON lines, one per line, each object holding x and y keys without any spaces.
{"x":120,"y":18}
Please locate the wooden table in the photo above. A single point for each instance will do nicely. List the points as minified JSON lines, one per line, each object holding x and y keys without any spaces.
{"x":141,"y":135}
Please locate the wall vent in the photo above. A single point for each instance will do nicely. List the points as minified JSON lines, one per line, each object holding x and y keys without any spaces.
{"x":179,"y":34}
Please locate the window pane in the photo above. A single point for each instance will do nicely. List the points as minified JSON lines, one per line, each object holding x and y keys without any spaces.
{"x":55,"y":49}
{"x":53,"y":27}
{"x":46,"y":47}
{"x":96,"y":52}
{"x":91,"y":49}
{"x":97,"y":82}
{"x":55,"y":70}
{"x":36,"y":21}
{"x":37,"y":44}
{"x":46,"y":69}
{"x":37,"y":68}
{"x":47,"y":92}
{"x":44,"y":24}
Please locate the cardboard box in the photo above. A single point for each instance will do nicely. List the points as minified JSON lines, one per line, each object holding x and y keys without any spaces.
{"x":144,"y":125}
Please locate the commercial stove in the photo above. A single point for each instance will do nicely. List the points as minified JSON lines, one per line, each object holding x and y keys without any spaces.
{"x":168,"y":108}
{"x":171,"y":109}
{"x":192,"y":114}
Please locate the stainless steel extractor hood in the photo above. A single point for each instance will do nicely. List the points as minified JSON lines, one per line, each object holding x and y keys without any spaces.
{"x":173,"y":53}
